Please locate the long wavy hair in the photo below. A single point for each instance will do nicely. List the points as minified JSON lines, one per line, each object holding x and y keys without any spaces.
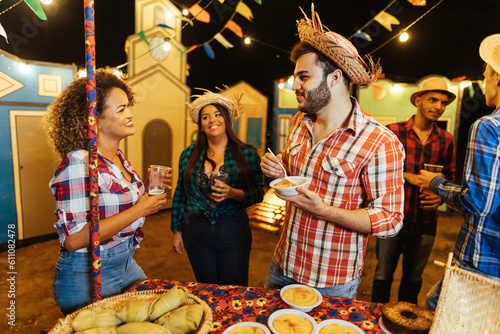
{"x":66,"y":120}
{"x":235,"y":144}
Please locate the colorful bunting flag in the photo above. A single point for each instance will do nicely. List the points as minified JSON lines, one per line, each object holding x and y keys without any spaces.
{"x":199,"y":13}
{"x":234,"y":28}
{"x":386,"y":20}
{"x":209,"y":51}
{"x":418,"y":2}
{"x":142,"y":35}
{"x":37,"y":8}
{"x":362,"y":35}
{"x":244,"y":11}
{"x":191,"y":48}
{"x":471,"y":91}
{"x":164,"y":26}
{"x":259,"y":2}
{"x":3,"y":33}
{"x":225,"y":43}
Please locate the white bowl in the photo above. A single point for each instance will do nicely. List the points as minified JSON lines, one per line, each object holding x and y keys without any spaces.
{"x":288,"y":191}
{"x":290,"y":311}
{"x":298,"y":307}
{"x":339,"y":322}
{"x":253,"y":324}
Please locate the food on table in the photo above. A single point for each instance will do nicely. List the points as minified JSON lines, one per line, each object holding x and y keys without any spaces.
{"x":99,"y":330}
{"x":184,"y":319}
{"x":246,"y":330}
{"x":405,"y":317}
{"x":95,"y":317}
{"x":288,"y":183}
{"x":336,"y":329}
{"x":292,"y":324}
{"x":300,"y":296}
{"x":171,"y":299}
{"x":141,"y":327}
{"x":134,"y":311}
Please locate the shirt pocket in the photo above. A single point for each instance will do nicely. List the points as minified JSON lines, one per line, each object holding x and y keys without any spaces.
{"x":109,"y":184}
{"x":338,"y":168}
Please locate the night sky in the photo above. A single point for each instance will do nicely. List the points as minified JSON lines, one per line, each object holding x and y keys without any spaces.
{"x":445,"y":41}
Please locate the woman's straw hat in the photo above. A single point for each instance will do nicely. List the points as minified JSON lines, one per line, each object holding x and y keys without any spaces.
{"x":489,"y":50}
{"x":210,"y":98}
{"x":433,"y":85}
{"x":338,"y":49}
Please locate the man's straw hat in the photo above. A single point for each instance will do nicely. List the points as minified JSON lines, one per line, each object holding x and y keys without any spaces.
{"x":212,"y":98}
{"x":338,"y":49}
{"x":433,"y":85}
{"x":489,"y":50}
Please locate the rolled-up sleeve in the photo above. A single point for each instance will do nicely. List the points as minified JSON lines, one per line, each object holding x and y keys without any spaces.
{"x":383,"y":179}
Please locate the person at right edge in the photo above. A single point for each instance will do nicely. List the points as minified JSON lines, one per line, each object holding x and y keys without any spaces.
{"x":354,"y":162}
{"x":425,"y":143}
{"x":478,"y":244}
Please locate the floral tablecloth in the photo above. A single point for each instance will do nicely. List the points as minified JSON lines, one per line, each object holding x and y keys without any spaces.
{"x":231,"y":304}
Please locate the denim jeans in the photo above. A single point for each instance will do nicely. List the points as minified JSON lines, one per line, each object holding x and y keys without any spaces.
{"x":416,"y":249}
{"x":219,"y":253}
{"x":72,"y":281}
{"x":276,"y":280}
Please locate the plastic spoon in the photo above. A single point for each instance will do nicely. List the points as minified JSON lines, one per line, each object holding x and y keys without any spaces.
{"x":284,"y":170}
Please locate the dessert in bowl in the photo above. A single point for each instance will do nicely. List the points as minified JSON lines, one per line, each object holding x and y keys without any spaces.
{"x":289,"y":321}
{"x":247,"y":328}
{"x":337,"y":326}
{"x":287,"y":186}
{"x":301,"y":297}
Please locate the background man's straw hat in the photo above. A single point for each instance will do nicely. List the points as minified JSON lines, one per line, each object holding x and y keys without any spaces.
{"x":433,"y":85}
{"x":338,"y":49}
{"x":212,"y":98}
{"x":489,"y":50}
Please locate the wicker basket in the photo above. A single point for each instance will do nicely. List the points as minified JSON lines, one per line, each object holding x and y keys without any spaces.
{"x":469,"y":303}
{"x":117,"y":302}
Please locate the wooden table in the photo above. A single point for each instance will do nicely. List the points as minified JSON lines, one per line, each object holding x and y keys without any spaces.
{"x":231,"y":304}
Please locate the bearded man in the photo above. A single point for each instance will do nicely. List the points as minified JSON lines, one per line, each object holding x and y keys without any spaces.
{"x":355,"y":163}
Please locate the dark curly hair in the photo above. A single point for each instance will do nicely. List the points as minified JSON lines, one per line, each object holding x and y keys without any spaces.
{"x":66,"y":120}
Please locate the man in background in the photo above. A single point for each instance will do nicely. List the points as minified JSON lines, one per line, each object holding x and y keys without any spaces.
{"x":424,"y":143}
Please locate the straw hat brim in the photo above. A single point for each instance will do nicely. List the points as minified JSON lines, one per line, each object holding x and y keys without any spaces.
{"x":421,"y":92}
{"x":489,"y":50}
{"x":354,"y":68}
{"x":210,"y":98}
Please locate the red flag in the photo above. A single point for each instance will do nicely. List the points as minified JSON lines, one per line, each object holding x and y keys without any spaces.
{"x":234,"y":28}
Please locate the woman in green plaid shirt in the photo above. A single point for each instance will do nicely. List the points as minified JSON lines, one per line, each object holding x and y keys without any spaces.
{"x":209,"y":220}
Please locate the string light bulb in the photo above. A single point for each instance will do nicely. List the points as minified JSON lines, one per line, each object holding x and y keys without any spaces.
{"x":290,"y":80}
{"x":281,"y":85}
{"x":404,"y":37}
{"x":167,"y":46}
{"x":185,"y":12}
{"x":247,"y":40}
{"x":46,"y":2}
{"x":82,"y":73}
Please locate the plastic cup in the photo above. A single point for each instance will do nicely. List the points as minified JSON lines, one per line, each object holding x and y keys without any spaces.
{"x":433,"y":168}
{"x":156,"y":177}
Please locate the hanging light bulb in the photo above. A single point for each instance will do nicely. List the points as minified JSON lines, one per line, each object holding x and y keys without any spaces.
{"x":281,"y":85}
{"x":404,"y":37}
{"x":185,"y":12}
{"x":82,"y":73}
{"x":247,"y":40}
{"x":290,"y":80}
{"x":167,"y":46}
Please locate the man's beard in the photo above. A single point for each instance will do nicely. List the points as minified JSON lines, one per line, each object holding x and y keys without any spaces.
{"x":316,"y":99}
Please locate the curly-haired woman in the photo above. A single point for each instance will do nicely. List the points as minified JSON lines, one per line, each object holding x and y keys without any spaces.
{"x":209,"y":218}
{"x":123,"y":202}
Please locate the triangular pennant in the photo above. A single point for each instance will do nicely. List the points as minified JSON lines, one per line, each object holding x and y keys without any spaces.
{"x":244,"y":11}
{"x":418,"y":2}
{"x":234,"y":28}
{"x":199,"y":13}
{"x":223,"y":41}
{"x":471,"y":91}
{"x":259,"y":2}
{"x":3,"y":33}
{"x":362,"y":35}
{"x":191,"y":48}
{"x":164,"y":26}
{"x":386,"y":20}
{"x":209,"y":51}
{"x":142,"y":35}
{"x":37,"y":8}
